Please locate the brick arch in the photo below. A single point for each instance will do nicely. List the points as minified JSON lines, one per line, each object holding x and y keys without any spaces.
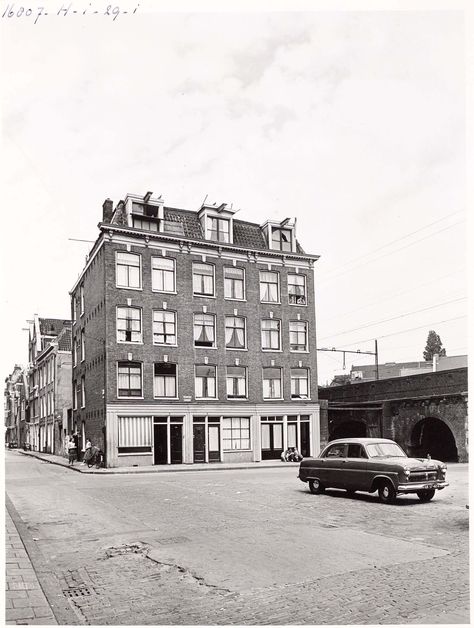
{"x":434,"y":436}
{"x":348,"y":428}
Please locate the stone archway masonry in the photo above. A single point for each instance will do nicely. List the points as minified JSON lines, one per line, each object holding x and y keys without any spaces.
{"x":392,"y":407}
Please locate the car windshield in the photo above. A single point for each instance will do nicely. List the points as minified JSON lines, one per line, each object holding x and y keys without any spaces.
{"x":380,"y":450}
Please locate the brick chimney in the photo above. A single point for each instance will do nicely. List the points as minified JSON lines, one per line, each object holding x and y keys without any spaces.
{"x":107,"y":210}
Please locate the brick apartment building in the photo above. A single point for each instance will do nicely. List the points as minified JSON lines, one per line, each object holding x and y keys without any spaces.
{"x":49,"y":384}
{"x":15,"y":406}
{"x":194,"y":337}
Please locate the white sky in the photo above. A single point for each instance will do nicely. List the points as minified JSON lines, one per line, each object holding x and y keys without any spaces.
{"x":352,"y":121}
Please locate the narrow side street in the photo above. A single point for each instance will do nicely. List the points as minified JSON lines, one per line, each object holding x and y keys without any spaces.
{"x":239,"y":547}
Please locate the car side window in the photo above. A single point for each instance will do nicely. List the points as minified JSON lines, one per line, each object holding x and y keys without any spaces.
{"x":355,"y":450}
{"x":336,"y":451}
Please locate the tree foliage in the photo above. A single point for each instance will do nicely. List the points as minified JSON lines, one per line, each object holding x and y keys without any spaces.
{"x":433,"y":345}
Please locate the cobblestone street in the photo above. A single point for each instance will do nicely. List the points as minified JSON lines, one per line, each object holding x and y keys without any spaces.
{"x":238,"y":547}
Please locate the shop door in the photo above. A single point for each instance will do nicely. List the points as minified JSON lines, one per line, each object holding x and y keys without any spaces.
{"x":176,"y":443}
{"x":199,"y":443}
{"x":160,"y":444}
{"x":272,"y":441}
{"x":214,"y":443}
{"x":304,"y":433}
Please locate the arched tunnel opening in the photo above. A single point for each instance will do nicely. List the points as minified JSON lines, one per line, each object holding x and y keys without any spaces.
{"x":432,"y":436}
{"x":348,"y":429}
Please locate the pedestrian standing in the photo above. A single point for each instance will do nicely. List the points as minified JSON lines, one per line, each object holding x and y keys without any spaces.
{"x":71,"y":450}
{"x":86,"y":452}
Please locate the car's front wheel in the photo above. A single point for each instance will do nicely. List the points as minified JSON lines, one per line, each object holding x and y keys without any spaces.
{"x":425,"y":496}
{"x":316,"y":487}
{"x":387,"y":493}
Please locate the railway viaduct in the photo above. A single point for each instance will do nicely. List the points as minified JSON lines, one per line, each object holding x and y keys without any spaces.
{"x":425,"y":413}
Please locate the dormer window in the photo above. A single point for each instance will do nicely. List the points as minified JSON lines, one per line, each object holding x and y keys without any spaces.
{"x":282,"y":239}
{"x":218,"y":229}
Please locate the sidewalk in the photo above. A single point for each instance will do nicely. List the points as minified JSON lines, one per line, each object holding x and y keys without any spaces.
{"x":25,"y":602}
{"x":175,"y":468}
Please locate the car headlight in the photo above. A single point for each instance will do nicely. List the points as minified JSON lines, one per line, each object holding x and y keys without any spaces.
{"x":443,"y":469}
{"x":406,"y":471}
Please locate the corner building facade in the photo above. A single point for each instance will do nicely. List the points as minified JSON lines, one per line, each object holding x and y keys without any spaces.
{"x":194,"y":338}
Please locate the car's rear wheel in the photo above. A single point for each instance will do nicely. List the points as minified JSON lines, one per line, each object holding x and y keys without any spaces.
{"x":425,"y":496}
{"x":316,"y":487}
{"x":387,"y":493}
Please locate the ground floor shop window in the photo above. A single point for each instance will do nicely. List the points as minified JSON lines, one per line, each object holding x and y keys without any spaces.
{"x":236,"y":433}
{"x":134,"y":434}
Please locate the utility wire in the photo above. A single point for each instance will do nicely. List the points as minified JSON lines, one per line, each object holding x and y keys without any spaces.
{"x":404,"y":331}
{"x":354,"y":259}
{"x":369,"y":261}
{"x":386,"y":320}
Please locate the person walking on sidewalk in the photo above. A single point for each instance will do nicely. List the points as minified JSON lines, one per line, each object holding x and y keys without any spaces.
{"x":71,"y":450}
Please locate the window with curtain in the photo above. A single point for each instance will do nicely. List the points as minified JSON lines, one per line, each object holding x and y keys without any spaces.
{"x":281,"y":239}
{"x":269,"y":292}
{"x":165,"y":380}
{"x":129,"y":324}
{"x":298,"y":336}
{"x":236,"y":382}
{"x":164,"y":327}
{"x":163,"y":274}
{"x":218,"y":229}
{"x":128,"y":270}
{"x":234,"y":283}
{"x":129,"y":379}
{"x":299,"y":383}
{"x":235,"y":332}
{"x":204,"y":330}
{"x":205,"y":382}
{"x":236,"y":433}
{"x":272,"y":383}
{"x":203,"y":279}
{"x":296,"y":289}
{"x":270,"y":329}
{"x":134,"y":434}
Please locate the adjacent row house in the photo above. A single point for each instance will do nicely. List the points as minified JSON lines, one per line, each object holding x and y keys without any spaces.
{"x":15,"y":406}
{"x":193,"y":337}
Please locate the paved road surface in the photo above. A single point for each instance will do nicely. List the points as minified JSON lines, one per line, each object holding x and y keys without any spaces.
{"x":238,"y":547}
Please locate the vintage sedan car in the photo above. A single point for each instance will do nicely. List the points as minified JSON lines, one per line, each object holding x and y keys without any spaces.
{"x":370,"y":465}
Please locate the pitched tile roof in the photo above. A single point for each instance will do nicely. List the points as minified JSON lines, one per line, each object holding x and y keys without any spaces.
{"x":52,"y":326}
{"x":65,"y":339}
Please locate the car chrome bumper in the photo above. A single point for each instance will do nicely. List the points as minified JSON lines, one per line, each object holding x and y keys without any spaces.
{"x":421,"y":486}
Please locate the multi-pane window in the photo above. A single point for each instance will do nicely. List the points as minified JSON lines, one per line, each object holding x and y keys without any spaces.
{"x":272,"y":383}
{"x":129,"y":379}
{"x":203,"y":279}
{"x":205,"y":382}
{"x":129,"y":324}
{"x":270,"y":334}
{"x":299,"y":383}
{"x":269,"y":292}
{"x":234,"y":283}
{"x":281,"y":239}
{"x":128,"y":273}
{"x":83,"y":346}
{"x":297,"y":289}
{"x":164,"y":384}
{"x":236,"y":433}
{"x":78,"y":393}
{"x":218,"y":229}
{"x":74,"y":352}
{"x":236,"y":382}
{"x":164,"y":327}
{"x":235,"y":332}
{"x":204,"y":330}
{"x":83,"y":393}
{"x":298,"y":336}
{"x":81,"y":292}
{"x":163,"y":274}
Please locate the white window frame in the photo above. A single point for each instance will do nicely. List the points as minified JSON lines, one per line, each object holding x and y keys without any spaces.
{"x":128,"y":287}
{"x":154,"y":271}
{"x":244,"y":298}
{"x":308,"y":383}
{"x":280,"y":230}
{"x":213,"y":316}
{"x":209,"y":229}
{"x":244,"y":348}
{"x":153,"y":322}
{"x":225,"y":429}
{"x":215,"y":380}
{"x":271,"y":272}
{"x":237,"y":397}
{"x":201,"y":294}
{"x":141,"y":379}
{"x":117,"y":330}
{"x":81,"y":293}
{"x":276,"y":320}
{"x":176,"y":395}
{"x":83,"y":392}
{"x":299,"y":275}
{"x":281,"y":383}
{"x":83,"y":345}
{"x":306,"y":324}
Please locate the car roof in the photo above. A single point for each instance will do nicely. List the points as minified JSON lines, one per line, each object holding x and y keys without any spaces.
{"x":362,"y":441}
